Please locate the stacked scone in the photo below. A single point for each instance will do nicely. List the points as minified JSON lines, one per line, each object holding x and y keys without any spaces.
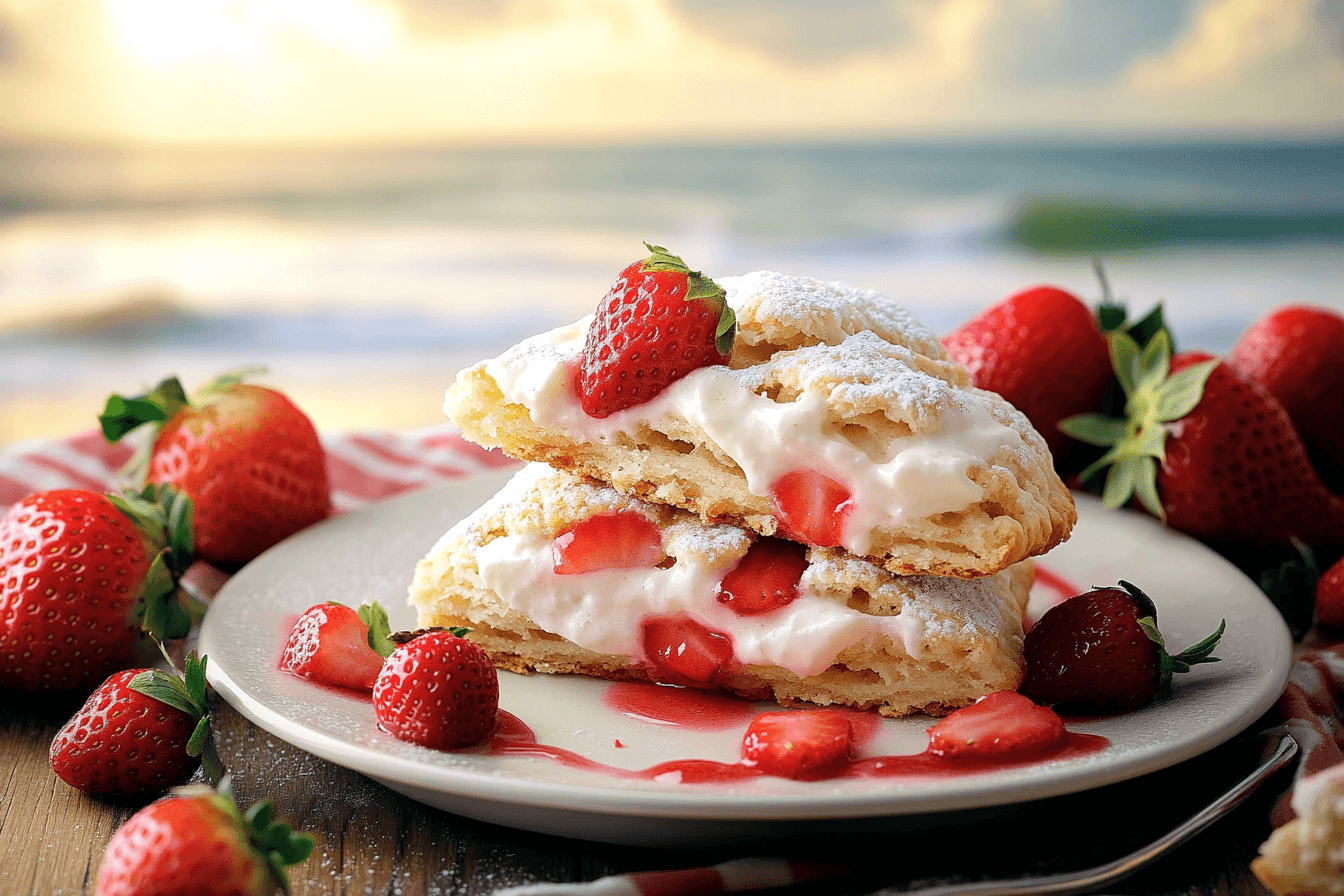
{"x":769,"y":484}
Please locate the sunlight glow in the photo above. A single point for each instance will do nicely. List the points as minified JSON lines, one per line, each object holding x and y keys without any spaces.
{"x":169,"y":33}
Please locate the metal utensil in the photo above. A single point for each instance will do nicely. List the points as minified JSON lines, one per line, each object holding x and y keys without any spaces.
{"x":1280,"y":749}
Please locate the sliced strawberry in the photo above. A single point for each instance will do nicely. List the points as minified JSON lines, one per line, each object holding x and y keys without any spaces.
{"x":330,"y":645}
{"x":1002,"y":724}
{"x":765,"y":579}
{"x":626,"y":539}
{"x":683,"y":651}
{"x":811,"y":508}
{"x":805,"y":744}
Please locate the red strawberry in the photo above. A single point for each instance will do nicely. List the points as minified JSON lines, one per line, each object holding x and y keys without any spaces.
{"x":333,"y":644}
{"x":1212,"y":453}
{"x":248,"y":458}
{"x":1103,"y":648}
{"x":765,"y":579}
{"x":1297,"y":353}
{"x":683,"y":651}
{"x":80,"y":574}
{"x":811,"y":508}
{"x":438,"y":690}
{"x":197,"y":843}
{"x":660,"y":321}
{"x":626,"y":539}
{"x":1044,"y":352}
{"x":806,"y":744}
{"x":141,"y":732}
{"x":1001,"y":724}
{"x":1330,"y":596}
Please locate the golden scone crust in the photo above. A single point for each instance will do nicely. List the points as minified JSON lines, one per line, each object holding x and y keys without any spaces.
{"x":967,"y":638}
{"x":883,"y":379}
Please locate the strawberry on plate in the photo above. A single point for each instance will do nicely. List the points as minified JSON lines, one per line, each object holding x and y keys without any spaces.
{"x":1000,"y":725}
{"x":141,"y":732}
{"x":806,"y":745}
{"x":81,"y":574}
{"x":197,"y":843}
{"x":438,"y":690}
{"x":1297,"y":353}
{"x":1103,"y":649}
{"x":1041,"y":349}
{"x":659,"y":322}
{"x":335,"y":645}
{"x":1207,"y":450}
{"x":249,"y":459}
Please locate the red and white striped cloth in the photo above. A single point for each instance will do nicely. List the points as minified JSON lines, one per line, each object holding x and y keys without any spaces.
{"x":366,"y":467}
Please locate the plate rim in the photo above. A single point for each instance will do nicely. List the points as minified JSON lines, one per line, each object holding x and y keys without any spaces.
{"x":465,"y":783}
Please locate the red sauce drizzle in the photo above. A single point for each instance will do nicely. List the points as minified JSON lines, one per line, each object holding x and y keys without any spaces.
{"x":513,"y":738}
{"x":1061,"y":589}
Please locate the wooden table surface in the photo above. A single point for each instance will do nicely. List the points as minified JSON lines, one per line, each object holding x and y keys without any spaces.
{"x":371,"y":840}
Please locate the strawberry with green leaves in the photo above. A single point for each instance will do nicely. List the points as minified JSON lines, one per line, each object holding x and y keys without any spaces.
{"x":196,"y":842}
{"x":1210,"y":452}
{"x":141,"y":732}
{"x":659,"y":322}
{"x":437,"y":689}
{"x":1103,"y":649}
{"x":250,"y":460}
{"x":335,"y":645}
{"x":81,"y":575}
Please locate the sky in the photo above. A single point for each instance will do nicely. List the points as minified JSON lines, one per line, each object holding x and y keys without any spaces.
{"x":322,"y":72}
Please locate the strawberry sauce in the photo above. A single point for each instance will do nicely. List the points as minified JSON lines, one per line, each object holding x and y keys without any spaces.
{"x":514,"y":738}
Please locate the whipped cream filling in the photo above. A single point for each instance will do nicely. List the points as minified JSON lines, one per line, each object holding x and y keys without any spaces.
{"x":602,"y":610}
{"x":921,"y":475}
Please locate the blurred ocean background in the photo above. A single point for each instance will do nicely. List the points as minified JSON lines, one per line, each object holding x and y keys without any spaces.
{"x":366,"y":195}
{"x":362,"y":279}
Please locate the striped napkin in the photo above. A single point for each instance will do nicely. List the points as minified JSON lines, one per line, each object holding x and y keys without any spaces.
{"x":366,"y":467}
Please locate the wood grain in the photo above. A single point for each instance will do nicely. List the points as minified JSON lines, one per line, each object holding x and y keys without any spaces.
{"x":373,"y":841}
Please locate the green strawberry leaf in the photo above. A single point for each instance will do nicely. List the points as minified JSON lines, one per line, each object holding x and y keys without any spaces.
{"x":221,"y":384}
{"x":375,"y":617}
{"x":1149,"y":326}
{"x":121,"y":415}
{"x":1183,"y":391}
{"x":277,"y":841}
{"x":1125,"y":360}
{"x":1094,"y":429}
{"x":166,"y":688}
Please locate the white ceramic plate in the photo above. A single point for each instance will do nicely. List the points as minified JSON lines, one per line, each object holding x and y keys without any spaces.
{"x":371,"y":554}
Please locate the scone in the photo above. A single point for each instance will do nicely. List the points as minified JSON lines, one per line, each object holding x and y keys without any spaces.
{"x":843,"y":631}
{"x":1306,"y":855}
{"x":838,"y":421}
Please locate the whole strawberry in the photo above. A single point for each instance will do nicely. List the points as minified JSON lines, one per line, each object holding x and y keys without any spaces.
{"x":141,"y":732}
{"x":1103,"y":648}
{"x":1297,"y":353}
{"x":1330,"y":596}
{"x":249,"y":459}
{"x":197,"y":843}
{"x":1209,"y":451}
{"x":81,"y":574}
{"x":437,"y":690}
{"x":659,"y":322}
{"x":1044,"y":352}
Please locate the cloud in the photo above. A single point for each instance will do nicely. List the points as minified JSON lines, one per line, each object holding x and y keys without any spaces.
{"x":798,"y":31}
{"x":1253,"y":61}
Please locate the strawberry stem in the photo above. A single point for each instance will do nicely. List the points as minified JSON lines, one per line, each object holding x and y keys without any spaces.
{"x":121,"y":415}
{"x":186,"y":691}
{"x":164,"y":517}
{"x":380,"y":629}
